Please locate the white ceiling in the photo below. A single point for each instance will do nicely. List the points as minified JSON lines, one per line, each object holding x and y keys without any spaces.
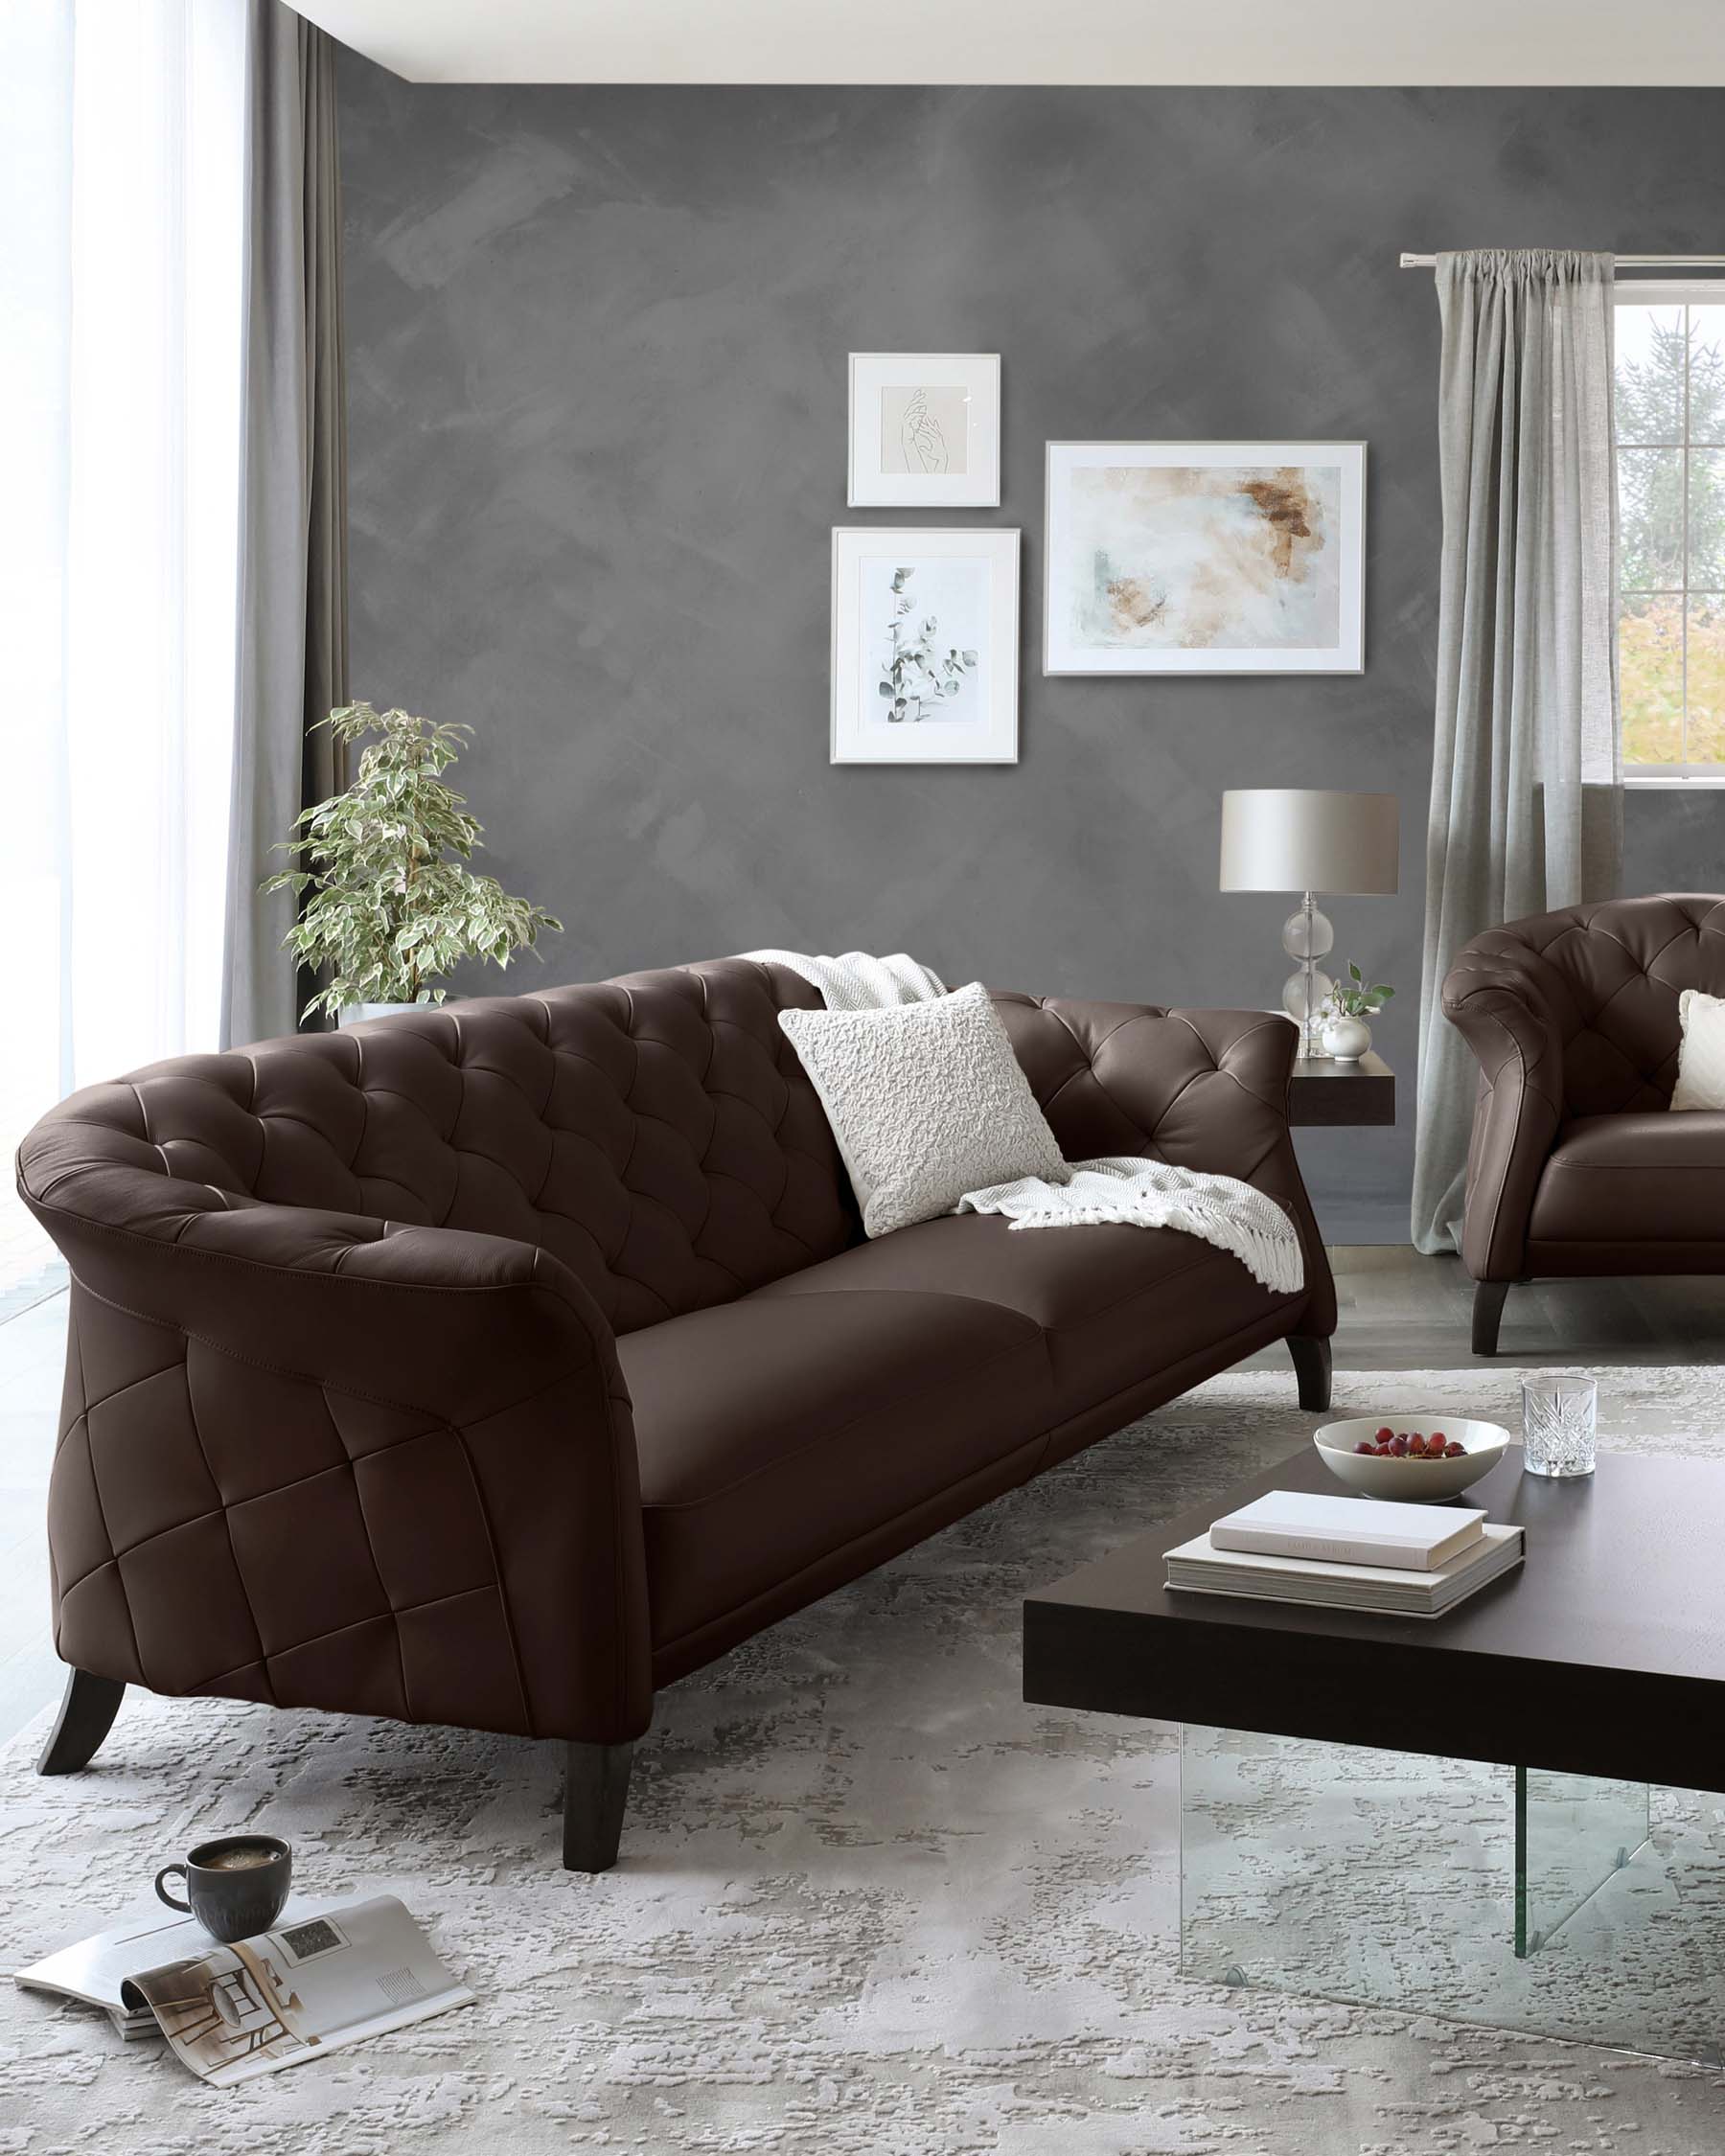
{"x":1020,"y":41}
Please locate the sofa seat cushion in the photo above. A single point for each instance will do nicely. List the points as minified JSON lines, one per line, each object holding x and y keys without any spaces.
{"x":1650,"y":1177}
{"x":1116,"y":1305}
{"x":774,"y":1432}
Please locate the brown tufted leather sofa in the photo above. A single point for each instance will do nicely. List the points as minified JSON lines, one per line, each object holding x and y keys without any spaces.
{"x":496,"y":1365}
{"x":1576,"y":1165}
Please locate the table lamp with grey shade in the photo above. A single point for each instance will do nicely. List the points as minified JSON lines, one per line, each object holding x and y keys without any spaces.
{"x":1294,"y":839}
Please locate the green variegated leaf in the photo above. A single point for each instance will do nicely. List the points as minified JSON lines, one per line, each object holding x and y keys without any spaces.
{"x":386,"y":906}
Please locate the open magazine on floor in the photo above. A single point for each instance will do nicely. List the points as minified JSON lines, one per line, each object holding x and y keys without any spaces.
{"x":321,"y":1977}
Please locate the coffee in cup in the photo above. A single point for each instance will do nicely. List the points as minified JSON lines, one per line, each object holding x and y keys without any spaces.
{"x":234,"y":1885}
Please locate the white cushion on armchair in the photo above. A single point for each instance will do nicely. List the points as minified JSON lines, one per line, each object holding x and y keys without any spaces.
{"x":1701,"y":1058}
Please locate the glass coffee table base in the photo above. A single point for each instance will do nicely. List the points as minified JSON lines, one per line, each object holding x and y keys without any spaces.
{"x":1554,"y":1904}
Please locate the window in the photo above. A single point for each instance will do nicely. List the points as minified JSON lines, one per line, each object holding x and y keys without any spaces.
{"x":1670,"y":431}
{"x":122,"y":176}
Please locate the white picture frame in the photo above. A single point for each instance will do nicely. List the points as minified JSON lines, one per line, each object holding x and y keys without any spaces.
{"x":925,"y":430}
{"x":966,"y":583}
{"x":1251,"y":558}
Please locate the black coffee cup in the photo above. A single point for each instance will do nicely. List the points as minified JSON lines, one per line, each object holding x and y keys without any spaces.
{"x":234,"y":1885}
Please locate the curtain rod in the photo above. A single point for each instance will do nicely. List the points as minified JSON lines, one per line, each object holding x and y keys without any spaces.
{"x":1624,"y":262}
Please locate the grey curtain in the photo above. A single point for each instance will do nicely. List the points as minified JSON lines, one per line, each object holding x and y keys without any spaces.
{"x":1527,"y":773}
{"x":293,"y":656}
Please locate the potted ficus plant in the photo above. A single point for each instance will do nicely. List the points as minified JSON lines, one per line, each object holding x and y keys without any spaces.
{"x":1346,"y":1035}
{"x":390,"y":907}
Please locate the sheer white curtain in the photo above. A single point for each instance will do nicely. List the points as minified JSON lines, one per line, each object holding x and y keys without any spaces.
{"x":121,"y":274}
{"x":1527,"y":772}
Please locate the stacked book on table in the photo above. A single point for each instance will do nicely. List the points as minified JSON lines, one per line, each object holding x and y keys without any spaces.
{"x":1347,"y":1553}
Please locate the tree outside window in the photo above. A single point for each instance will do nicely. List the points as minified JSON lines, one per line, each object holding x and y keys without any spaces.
{"x":1670,"y":431}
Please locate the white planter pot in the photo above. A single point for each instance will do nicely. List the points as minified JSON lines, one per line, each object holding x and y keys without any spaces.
{"x":351,"y":1013}
{"x":1344,"y":1039}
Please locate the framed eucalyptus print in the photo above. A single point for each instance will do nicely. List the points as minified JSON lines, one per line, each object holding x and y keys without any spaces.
{"x":1204,"y":558}
{"x":925,"y":646}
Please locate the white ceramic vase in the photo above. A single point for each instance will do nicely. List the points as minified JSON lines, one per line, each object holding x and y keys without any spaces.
{"x":351,"y":1013}
{"x":1344,"y":1039}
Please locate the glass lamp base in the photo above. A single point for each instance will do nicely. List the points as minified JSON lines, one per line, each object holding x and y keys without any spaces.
{"x":1307,"y":935}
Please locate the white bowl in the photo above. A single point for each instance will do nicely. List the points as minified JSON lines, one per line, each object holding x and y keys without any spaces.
{"x":1411,"y":1482}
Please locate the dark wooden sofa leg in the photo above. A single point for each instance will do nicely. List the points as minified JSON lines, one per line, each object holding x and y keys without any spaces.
{"x":1312,"y":1368}
{"x":596,"y":1792}
{"x":1487,"y":1314}
{"x":86,"y":1715}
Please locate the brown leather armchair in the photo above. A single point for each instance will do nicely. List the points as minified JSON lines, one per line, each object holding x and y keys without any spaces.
{"x":1577,"y":1165}
{"x":497,"y":1364}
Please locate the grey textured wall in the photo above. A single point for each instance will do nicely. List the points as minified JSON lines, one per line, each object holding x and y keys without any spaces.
{"x":597,"y":343}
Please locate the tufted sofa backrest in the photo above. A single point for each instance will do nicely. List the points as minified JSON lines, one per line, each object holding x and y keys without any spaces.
{"x":655,"y":1133}
{"x":1610,"y":975}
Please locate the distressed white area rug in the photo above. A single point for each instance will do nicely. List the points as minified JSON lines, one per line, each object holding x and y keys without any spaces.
{"x":870,"y":1904}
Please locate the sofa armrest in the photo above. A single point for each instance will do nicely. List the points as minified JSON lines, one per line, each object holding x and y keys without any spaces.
{"x":329,"y":1461}
{"x":1495,"y":998}
{"x":1202,"y":1089}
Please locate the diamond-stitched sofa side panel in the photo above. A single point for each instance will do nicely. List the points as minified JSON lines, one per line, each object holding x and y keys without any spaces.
{"x":1201,"y":1090}
{"x":219,"y":1527}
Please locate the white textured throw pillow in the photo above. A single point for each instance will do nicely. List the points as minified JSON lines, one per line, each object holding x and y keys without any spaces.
{"x":927,"y":1101}
{"x":1701,"y":1059}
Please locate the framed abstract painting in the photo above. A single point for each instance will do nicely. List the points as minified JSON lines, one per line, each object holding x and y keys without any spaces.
{"x":925,"y":647}
{"x":925,"y":430}
{"x":1204,"y":558}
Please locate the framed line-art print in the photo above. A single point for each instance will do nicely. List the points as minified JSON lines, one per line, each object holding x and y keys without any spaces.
{"x":1204,"y":558}
{"x":925,"y":647}
{"x":925,"y":430}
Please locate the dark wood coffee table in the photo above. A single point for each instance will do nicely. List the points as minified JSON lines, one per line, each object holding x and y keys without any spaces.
{"x":1523,"y":1891}
{"x":1603,"y":1654}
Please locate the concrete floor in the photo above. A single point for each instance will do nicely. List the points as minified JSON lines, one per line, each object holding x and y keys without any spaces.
{"x":1399,"y":1311}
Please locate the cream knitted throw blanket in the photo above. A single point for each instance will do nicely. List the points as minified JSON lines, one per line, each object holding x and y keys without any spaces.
{"x":854,"y":981}
{"x":1220,"y":1211}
